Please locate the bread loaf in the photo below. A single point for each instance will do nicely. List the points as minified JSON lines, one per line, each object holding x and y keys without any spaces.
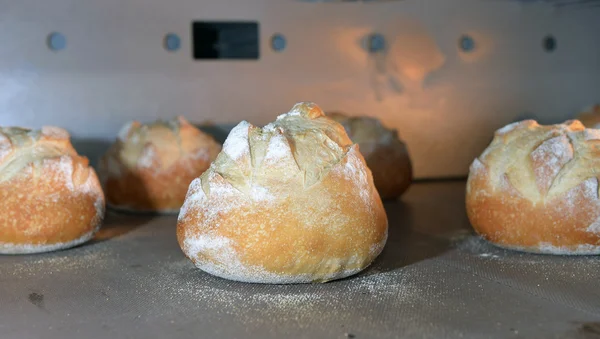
{"x":386,"y":155}
{"x":51,"y":198}
{"x":535,"y":189}
{"x":150,"y":166}
{"x":292,"y":202}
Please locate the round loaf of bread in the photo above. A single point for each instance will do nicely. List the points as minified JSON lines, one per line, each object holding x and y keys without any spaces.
{"x":150,"y":166}
{"x":292,"y":202}
{"x":385,"y":154}
{"x":591,"y":117}
{"x":535,"y":189}
{"x":51,"y":198}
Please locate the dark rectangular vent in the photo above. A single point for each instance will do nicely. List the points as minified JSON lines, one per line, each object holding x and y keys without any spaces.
{"x":225,"y":40}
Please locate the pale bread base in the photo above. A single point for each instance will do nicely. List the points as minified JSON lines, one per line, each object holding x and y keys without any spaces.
{"x":273,"y":278}
{"x":545,"y":248}
{"x":237,"y":272}
{"x":7,"y":248}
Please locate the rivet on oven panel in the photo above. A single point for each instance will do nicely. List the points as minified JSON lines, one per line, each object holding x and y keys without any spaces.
{"x":56,"y":41}
{"x":466,"y":43}
{"x":278,"y":42}
{"x":172,"y":42}
{"x":375,"y":43}
{"x":549,"y":43}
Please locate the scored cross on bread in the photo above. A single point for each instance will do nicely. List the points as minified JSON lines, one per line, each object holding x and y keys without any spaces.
{"x":291,"y":202}
{"x":51,"y":197}
{"x":150,"y":166}
{"x":535,"y":188}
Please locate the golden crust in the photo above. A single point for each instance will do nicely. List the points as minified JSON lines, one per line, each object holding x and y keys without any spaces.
{"x":257,"y":215}
{"x":149,"y":167}
{"x":51,"y":197}
{"x":590,"y":118}
{"x":535,"y":188}
{"x":386,"y":155}
{"x":147,"y":190}
{"x":518,"y":223}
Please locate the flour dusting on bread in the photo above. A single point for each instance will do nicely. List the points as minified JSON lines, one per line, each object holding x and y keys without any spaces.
{"x":8,"y":248}
{"x":297,"y":175}
{"x":150,"y":166}
{"x":53,"y":197}
{"x":236,"y":144}
{"x":222,"y":250}
{"x":5,"y":146}
{"x":538,"y":185}
{"x":549,"y":158}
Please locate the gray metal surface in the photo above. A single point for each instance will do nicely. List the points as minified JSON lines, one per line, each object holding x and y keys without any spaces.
{"x":433,"y":280}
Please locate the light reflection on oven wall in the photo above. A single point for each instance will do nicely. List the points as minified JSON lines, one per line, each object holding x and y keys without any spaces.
{"x":444,"y":97}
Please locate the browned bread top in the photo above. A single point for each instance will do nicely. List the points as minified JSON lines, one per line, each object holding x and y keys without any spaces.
{"x":158,"y":145}
{"x":20,"y":147}
{"x":541,"y":162}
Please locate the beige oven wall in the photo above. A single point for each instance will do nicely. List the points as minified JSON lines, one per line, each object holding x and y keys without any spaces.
{"x":445,"y":103}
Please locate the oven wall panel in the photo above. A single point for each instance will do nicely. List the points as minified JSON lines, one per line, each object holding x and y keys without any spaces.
{"x":445,"y":102}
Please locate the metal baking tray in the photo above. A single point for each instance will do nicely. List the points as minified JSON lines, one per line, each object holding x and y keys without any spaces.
{"x":434,"y":279}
